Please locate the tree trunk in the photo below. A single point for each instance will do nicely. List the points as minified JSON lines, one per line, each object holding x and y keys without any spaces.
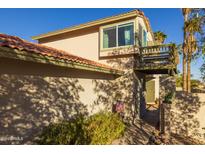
{"x":189,"y":74}
{"x":184,"y":73}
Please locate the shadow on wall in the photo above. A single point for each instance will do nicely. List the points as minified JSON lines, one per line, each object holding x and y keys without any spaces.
{"x":167,"y":85}
{"x":183,"y":115}
{"x":122,"y":89}
{"x":28,"y":103}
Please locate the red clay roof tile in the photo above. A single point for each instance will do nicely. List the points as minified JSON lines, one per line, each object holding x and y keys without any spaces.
{"x":20,"y":44}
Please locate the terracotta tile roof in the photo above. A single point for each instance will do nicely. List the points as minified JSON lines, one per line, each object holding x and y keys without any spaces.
{"x":20,"y":44}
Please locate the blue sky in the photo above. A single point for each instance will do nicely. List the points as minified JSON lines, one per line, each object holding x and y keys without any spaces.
{"x":29,"y":22}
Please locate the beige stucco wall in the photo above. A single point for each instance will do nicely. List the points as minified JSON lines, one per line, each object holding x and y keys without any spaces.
{"x":33,"y":95}
{"x":29,"y":103}
{"x":85,"y":44}
{"x":200,"y":115}
{"x":187,"y":115}
{"x":88,"y":96}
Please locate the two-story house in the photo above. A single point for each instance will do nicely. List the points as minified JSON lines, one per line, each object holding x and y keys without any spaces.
{"x":116,"y":41}
{"x":81,"y":70}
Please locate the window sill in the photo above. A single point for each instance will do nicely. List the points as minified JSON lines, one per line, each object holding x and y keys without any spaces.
{"x":119,"y":48}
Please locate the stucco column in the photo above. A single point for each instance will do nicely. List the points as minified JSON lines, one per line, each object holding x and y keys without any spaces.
{"x":167,"y":86}
{"x":138,"y":94}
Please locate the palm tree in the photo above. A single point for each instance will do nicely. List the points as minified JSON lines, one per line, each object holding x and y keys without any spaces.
{"x":191,"y":27}
{"x":185,"y":12}
{"x":159,"y":37}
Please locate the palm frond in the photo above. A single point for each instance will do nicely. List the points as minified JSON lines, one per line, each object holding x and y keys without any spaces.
{"x":160,"y":36}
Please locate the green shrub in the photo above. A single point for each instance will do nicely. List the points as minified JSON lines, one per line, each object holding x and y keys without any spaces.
{"x":169,"y":97}
{"x":103,"y":128}
{"x":65,"y":132}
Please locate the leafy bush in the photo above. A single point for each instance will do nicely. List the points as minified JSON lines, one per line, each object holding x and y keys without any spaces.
{"x":101,"y":128}
{"x":65,"y":132}
{"x":169,"y":97}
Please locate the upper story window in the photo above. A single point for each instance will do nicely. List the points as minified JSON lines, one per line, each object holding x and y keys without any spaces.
{"x":109,"y":37}
{"x":126,"y":34}
{"x":118,"y":35}
{"x":142,"y":36}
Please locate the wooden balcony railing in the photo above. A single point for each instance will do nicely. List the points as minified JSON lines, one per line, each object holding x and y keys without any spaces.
{"x":156,"y":59}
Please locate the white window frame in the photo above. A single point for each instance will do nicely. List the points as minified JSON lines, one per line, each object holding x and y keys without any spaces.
{"x":113,"y":25}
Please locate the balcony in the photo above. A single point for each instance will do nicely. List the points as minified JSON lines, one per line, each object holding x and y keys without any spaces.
{"x":158,"y":59}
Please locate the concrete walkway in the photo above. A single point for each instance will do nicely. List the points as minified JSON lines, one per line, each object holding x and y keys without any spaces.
{"x":141,"y":132}
{"x":138,"y":133}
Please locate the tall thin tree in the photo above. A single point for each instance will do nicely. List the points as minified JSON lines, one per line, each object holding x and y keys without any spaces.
{"x":185,"y":12}
{"x":191,"y":27}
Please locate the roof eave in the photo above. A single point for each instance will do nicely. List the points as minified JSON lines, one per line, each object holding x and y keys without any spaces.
{"x":22,"y":55}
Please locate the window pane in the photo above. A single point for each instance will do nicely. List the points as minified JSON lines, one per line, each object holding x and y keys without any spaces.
{"x":145,"y":38}
{"x":126,"y":34}
{"x":109,"y":37}
{"x":140,"y":35}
